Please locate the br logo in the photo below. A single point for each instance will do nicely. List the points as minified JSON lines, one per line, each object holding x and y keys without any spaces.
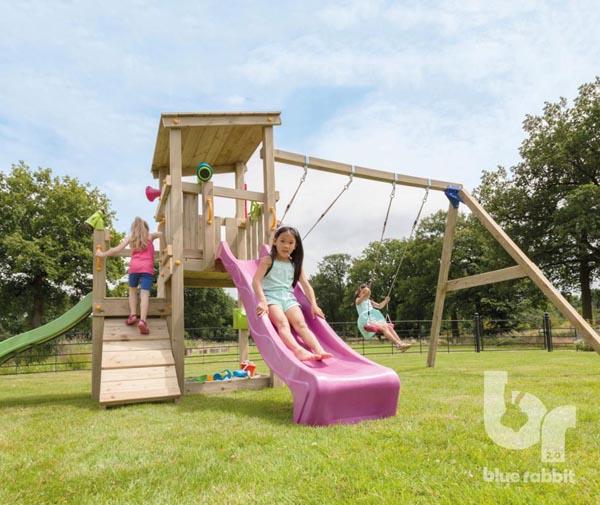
{"x":549,"y":426}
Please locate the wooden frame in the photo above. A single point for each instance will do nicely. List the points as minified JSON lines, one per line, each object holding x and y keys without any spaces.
{"x":182,"y":120}
{"x":524,"y":268}
{"x":197,"y":257}
{"x":176,"y":239}
{"x":371,"y":174}
{"x":440,"y":293}
{"x":504,"y":274}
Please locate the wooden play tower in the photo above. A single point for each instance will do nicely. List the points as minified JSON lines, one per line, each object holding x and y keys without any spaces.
{"x":128,"y":367}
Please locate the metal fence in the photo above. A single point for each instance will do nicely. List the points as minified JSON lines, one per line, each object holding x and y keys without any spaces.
{"x":217,"y":347}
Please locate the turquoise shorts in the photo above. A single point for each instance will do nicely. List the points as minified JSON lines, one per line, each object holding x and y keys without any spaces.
{"x":284,"y":299}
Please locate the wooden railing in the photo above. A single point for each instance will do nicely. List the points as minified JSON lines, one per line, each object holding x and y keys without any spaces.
{"x":202,"y":232}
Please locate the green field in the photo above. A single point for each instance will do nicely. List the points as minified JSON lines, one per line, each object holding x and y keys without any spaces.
{"x":57,"y":446}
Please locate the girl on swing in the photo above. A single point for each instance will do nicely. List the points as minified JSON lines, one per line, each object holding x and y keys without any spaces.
{"x":371,"y":321}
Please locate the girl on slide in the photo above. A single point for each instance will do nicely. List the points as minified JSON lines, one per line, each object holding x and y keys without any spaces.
{"x":273,"y":283}
{"x":372,"y":321}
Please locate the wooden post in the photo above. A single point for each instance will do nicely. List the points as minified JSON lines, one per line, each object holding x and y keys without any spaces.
{"x":98,"y":296}
{"x":160,"y":283}
{"x":209,"y":227}
{"x":176,"y":279}
{"x":440,"y":294}
{"x":240,"y":171}
{"x":533,"y":271}
{"x":269,"y":216}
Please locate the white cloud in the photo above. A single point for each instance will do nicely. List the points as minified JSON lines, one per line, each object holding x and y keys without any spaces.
{"x":443,"y":86}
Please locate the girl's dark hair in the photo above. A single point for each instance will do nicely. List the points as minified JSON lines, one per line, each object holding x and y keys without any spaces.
{"x":363,"y":285}
{"x":297,"y":256}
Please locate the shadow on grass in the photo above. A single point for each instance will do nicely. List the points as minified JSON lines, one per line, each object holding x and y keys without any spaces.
{"x":269,"y":409}
{"x":79,"y":400}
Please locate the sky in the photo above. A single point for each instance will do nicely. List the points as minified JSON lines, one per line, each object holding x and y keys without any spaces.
{"x":434,"y":89}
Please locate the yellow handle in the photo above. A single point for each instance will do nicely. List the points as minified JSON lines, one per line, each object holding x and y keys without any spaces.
{"x":211,"y":213}
{"x":98,"y":259}
{"x":273,"y":218}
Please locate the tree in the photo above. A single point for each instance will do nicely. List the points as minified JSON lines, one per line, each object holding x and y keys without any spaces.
{"x":207,"y":307}
{"x":330,"y":283}
{"x":45,"y":250}
{"x":550,"y":205}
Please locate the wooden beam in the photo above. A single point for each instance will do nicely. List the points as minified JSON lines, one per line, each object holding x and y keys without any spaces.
{"x":440,"y":293}
{"x":269,"y":211}
{"x":98,"y":294}
{"x":371,"y":174}
{"x":209,"y":223}
{"x":240,"y":171}
{"x":242,"y":119}
{"x":119,"y":307}
{"x":164,"y":195}
{"x":176,"y":279}
{"x":223,"y":192}
{"x":194,"y":282}
{"x":533,"y":271}
{"x":504,"y":274}
{"x":241,"y":194}
{"x":190,"y":170}
{"x":162,"y":226}
{"x":218,"y":387}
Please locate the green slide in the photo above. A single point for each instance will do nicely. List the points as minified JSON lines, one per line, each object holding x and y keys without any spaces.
{"x":53,"y":329}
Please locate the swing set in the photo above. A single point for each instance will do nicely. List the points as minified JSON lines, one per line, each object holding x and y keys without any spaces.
{"x":456,"y":195}
{"x":370,"y":326}
{"x":199,"y":249}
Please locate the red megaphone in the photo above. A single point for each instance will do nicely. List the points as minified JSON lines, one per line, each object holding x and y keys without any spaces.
{"x":152,"y":193}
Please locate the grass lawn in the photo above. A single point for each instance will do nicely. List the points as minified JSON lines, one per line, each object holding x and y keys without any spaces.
{"x":57,"y":446}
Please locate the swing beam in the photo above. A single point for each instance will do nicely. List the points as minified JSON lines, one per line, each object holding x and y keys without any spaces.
{"x":371,"y":174}
{"x":524,"y":266}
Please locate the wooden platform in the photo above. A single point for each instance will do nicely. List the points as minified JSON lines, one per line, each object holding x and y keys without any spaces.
{"x":137,"y":367}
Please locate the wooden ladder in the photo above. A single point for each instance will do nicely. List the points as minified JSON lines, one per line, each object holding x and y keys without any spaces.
{"x":135,"y":367}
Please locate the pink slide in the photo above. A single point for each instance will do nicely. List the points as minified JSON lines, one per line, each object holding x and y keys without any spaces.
{"x":347,"y":388}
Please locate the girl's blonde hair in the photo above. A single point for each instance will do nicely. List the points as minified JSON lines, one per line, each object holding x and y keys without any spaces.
{"x":139,"y":234}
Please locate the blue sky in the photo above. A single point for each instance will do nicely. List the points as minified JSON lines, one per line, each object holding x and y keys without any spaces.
{"x":437,"y":89}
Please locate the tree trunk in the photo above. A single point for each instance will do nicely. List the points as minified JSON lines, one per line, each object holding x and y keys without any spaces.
{"x":454,"y":325}
{"x":37,"y":311}
{"x":585,"y":281}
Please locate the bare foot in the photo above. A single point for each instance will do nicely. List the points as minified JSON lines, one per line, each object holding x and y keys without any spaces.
{"x":323,"y":354}
{"x":403,"y":347}
{"x":304,"y":355}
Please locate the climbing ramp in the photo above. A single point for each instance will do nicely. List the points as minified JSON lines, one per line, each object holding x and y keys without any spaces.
{"x":137,"y":367}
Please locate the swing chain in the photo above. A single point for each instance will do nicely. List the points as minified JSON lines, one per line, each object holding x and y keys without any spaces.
{"x":346,"y":186}
{"x":302,"y":179}
{"x":412,"y":232}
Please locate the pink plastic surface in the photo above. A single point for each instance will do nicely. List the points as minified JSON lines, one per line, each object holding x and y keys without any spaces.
{"x":347,"y":388}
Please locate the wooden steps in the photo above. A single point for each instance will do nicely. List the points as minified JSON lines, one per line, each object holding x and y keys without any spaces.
{"x":137,"y":367}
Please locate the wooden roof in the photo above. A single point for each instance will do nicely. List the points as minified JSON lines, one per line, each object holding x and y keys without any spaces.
{"x":221,"y":139}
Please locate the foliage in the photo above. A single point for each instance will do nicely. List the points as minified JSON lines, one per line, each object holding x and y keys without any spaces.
{"x":207,"y":307}
{"x":45,"y":248}
{"x":330,"y":283}
{"x":551,"y":204}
